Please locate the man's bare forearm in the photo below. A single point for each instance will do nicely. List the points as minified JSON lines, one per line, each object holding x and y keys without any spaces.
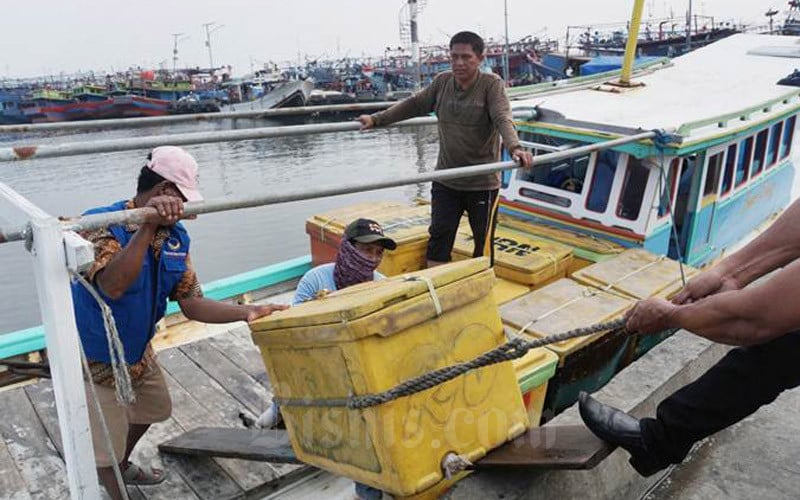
{"x":120,"y":273}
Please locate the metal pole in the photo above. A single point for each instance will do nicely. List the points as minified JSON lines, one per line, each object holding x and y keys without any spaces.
{"x":207,"y":26}
{"x":630,"y":46}
{"x":139,"y":215}
{"x":116,"y":123}
{"x":63,"y":345}
{"x":689,"y":28}
{"x":23,"y":152}
{"x":505,"y":49}
{"x":414,"y":14}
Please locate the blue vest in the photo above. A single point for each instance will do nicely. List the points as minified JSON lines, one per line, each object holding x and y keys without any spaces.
{"x":142,"y":305}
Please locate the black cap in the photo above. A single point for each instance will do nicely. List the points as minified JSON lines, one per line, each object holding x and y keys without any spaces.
{"x":368,"y":231}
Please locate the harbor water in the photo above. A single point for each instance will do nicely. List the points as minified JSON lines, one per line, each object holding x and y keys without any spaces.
{"x":223,"y":243}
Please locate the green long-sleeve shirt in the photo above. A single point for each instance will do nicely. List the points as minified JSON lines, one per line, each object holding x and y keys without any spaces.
{"x":470,"y":123}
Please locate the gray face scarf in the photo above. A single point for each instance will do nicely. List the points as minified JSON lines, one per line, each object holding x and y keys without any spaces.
{"x":352,"y":267}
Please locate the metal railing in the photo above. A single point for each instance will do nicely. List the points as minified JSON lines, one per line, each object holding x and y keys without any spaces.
{"x":20,"y":152}
{"x":140,"y":215}
{"x":53,"y":247}
{"x":150,"y":121}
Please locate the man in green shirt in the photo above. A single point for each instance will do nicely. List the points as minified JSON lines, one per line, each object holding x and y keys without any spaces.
{"x":473,"y":113}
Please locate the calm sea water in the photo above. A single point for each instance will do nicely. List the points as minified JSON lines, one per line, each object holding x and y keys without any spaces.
{"x":223,"y":243}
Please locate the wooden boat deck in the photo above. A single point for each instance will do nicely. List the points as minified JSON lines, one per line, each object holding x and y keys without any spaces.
{"x":210,"y":380}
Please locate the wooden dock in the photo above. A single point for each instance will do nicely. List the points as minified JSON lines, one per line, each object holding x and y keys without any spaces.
{"x":210,"y":380}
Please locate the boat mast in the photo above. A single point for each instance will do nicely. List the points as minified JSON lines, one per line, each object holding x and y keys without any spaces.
{"x":630,"y":46}
{"x":689,"y":28}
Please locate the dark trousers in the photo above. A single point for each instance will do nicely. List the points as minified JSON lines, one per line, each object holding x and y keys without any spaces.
{"x":746,"y":379}
{"x":447,"y":207}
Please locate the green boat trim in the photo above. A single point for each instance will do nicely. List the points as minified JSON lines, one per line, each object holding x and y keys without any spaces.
{"x":32,"y":339}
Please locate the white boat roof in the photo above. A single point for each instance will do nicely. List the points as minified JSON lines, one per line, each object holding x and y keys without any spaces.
{"x":725,"y":77}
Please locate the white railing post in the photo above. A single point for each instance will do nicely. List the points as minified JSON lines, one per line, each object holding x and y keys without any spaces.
{"x":64,"y":355}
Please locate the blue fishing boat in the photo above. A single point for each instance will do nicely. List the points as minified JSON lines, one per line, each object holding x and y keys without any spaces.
{"x":719,"y":170}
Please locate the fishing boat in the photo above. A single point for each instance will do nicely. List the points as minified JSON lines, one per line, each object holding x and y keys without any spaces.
{"x":633,"y":177}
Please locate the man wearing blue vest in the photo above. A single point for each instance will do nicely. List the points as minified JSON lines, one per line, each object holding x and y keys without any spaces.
{"x":137,"y":268}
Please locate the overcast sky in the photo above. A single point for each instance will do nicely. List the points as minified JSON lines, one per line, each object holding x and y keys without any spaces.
{"x":51,"y":36}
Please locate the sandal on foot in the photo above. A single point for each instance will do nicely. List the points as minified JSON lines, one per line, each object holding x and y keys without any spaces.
{"x":135,"y":475}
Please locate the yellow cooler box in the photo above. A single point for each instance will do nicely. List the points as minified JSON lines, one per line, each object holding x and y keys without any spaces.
{"x":370,"y":337}
{"x":638,"y":274}
{"x":585,"y":363}
{"x":407,"y":225}
{"x":587,"y":249}
{"x":519,"y":257}
{"x":506,"y":291}
{"x":534,"y":370}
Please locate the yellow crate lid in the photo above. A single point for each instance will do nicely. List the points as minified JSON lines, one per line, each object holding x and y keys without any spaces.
{"x":636,"y":273}
{"x":572,"y":238}
{"x":562,"y":306}
{"x":517,"y":250}
{"x":361,"y":300}
{"x":402,"y":223}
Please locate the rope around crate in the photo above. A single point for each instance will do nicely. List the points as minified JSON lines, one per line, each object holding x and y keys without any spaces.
{"x":511,"y":350}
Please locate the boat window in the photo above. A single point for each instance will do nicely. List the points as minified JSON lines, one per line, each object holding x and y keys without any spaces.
{"x":546,"y":197}
{"x":669,"y":186}
{"x":788,"y":135}
{"x":567,"y":174}
{"x":730,"y":168}
{"x":758,"y":157}
{"x":743,"y":161}
{"x":712,"y":177}
{"x":774,"y":143}
{"x":632,"y":194}
{"x":604,"y":170}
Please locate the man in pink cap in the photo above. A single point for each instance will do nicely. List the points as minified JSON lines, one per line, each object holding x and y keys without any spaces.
{"x":137,"y":269}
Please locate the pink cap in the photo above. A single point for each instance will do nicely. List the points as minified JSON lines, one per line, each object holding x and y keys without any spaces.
{"x":179,"y":167}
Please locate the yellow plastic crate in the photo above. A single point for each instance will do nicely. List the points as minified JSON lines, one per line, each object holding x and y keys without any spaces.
{"x":561,"y":306}
{"x":637,"y":274}
{"x":584,"y":363}
{"x":407,"y":225}
{"x":370,"y":337}
{"x":587,"y":249}
{"x":506,"y":291}
{"x":520,"y":257}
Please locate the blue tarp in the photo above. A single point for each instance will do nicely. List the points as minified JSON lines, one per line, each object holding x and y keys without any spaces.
{"x":602,"y":64}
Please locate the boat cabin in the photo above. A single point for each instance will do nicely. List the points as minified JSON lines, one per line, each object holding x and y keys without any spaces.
{"x":691,"y":194}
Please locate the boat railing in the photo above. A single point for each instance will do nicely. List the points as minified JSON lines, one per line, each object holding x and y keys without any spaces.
{"x":150,"y":121}
{"x":57,"y":251}
{"x":741,"y":115}
{"x":17,"y":152}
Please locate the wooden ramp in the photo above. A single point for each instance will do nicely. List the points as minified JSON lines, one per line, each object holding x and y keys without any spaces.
{"x":556,"y":447}
{"x":248,"y":444}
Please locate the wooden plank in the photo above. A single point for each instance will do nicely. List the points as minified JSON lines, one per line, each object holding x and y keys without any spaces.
{"x":30,"y":447}
{"x":233,"y":379}
{"x":237,"y":345}
{"x":553,"y":447}
{"x":199,"y":401}
{"x":145,"y":453}
{"x":12,"y":485}
{"x":248,"y":444}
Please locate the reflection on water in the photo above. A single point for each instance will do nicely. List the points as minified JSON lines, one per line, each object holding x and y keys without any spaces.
{"x":223,"y":243}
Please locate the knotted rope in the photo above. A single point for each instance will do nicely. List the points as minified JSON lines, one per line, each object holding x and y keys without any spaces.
{"x":511,"y":350}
